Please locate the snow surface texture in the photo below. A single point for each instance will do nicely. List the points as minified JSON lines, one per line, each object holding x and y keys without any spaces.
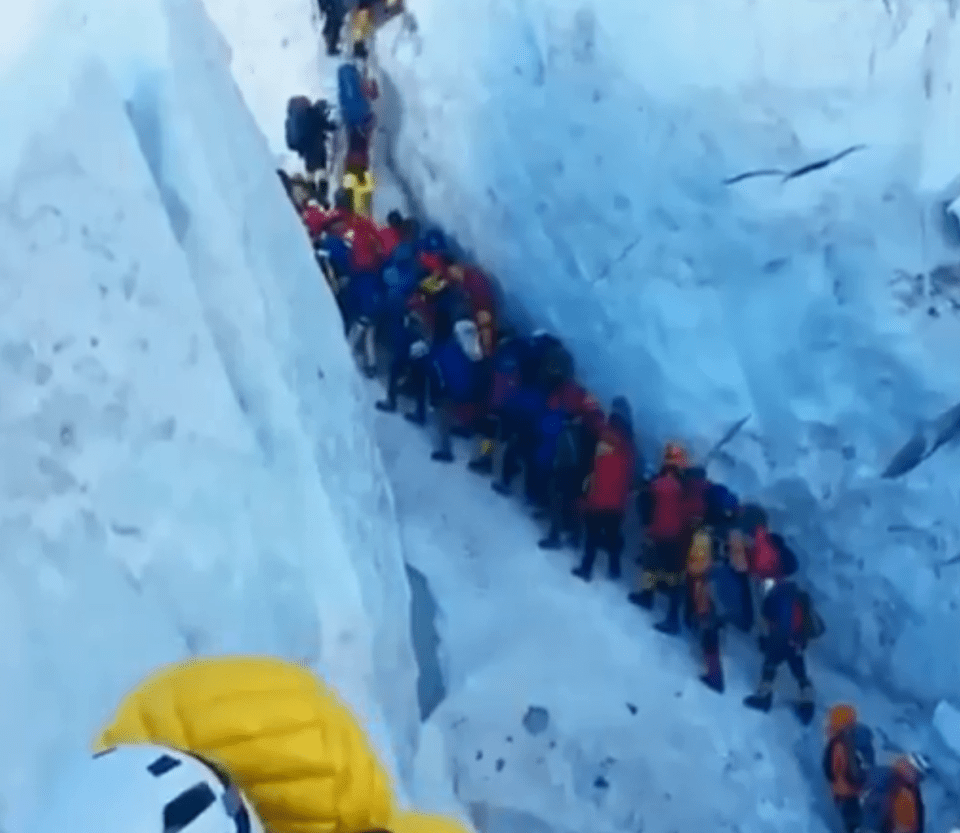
{"x":579,"y":150}
{"x":189,"y":466}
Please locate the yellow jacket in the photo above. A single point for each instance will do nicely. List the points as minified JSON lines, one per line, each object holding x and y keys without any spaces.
{"x":292,"y":747}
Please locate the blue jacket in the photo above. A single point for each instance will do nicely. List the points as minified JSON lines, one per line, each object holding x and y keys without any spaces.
{"x":402,"y":273}
{"x":781,"y":609}
{"x":354,"y":106}
{"x":548,"y":435}
{"x":456,"y":373}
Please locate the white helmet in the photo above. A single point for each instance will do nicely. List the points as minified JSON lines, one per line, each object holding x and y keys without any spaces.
{"x":145,"y":789}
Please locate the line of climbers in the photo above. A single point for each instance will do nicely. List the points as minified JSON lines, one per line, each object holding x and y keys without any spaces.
{"x":441,"y":324}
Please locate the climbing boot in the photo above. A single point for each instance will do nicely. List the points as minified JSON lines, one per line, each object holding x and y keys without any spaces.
{"x":443,"y":455}
{"x":501,"y":488}
{"x":713,"y":674}
{"x":482,"y":465}
{"x":386,"y":406}
{"x":642,"y":599}
{"x":761,"y":699}
{"x":580,"y":572}
{"x":551,"y":542}
{"x":804,"y":707}
{"x":671,"y":625}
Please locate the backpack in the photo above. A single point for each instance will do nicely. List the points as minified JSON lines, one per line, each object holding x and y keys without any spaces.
{"x":354,"y":106}
{"x":812,"y":625}
{"x":765,"y":558}
{"x":876,"y":802}
{"x":297,"y":109}
{"x":861,"y":756}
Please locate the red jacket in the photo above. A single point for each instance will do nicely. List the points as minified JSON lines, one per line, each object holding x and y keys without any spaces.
{"x":479,"y":291}
{"x":573,"y":399}
{"x":613,"y":469}
{"x":389,"y":240}
{"x":359,"y":233}
{"x":318,"y":221}
{"x":668,"y":522}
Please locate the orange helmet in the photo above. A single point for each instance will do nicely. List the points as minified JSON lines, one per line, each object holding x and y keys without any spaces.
{"x":841,"y":716}
{"x":674,"y":454}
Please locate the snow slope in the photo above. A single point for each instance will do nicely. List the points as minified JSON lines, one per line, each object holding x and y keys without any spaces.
{"x":580,"y":149}
{"x":188,"y":459}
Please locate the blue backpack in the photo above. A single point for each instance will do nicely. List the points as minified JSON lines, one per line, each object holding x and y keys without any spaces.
{"x":354,"y":107}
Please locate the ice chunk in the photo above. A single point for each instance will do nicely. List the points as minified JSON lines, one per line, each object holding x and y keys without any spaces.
{"x":946,"y":720}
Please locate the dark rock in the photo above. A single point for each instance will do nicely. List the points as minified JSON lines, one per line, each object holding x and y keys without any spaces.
{"x":536,"y":720}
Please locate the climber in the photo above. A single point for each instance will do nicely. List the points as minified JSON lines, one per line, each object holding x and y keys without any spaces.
{"x":731,"y":584}
{"x":509,"y":358}
{"x":756,"y":554}
{"x":361,"y":27}
{"x":419,"y":321}
{"x":406,"y":331}
{"x":611,"y":481}
{"x":334,"y":12}
{"x":766,"y":554}
{"x":353,"y":245}
{"x":355,"y":94}
{"x":357,"y":157}
{"x":847,"y":763}
{"x":479,"y":289}
{"x":567,"y":401}
{"x":572,"y":464}
{"x":893,"y":802}
{"x":554,"y":376}
{"x":308,"y":128}
{"x":532,"y":446}
{"x":393,"y":232}
{"x":361,"y":184}
{"x":662,"y":507}
{"x":205,"y":746}
{"x":785,"y":633}
{"x":456,"y":362}
{"x":700,"y":562}
{"x":522,"y":413}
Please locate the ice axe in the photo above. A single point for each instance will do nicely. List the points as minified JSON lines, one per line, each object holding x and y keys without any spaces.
{"x":731,"y":432}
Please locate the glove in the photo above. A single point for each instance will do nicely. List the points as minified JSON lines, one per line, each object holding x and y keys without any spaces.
{"x":419,"y":349}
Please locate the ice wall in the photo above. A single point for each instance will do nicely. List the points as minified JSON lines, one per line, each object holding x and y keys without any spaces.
{"x":581,"y":149}
{"x":188,"y":464}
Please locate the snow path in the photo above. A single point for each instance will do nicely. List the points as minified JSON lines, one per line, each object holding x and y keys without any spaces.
{"x":517,"y":630}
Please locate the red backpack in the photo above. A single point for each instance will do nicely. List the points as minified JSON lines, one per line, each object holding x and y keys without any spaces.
{"x":764,"y":556}
{"x":668,"y":517}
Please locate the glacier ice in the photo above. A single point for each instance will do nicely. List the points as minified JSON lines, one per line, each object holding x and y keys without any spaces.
{"x":188,"y":456}
{"x":579,"y":150}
